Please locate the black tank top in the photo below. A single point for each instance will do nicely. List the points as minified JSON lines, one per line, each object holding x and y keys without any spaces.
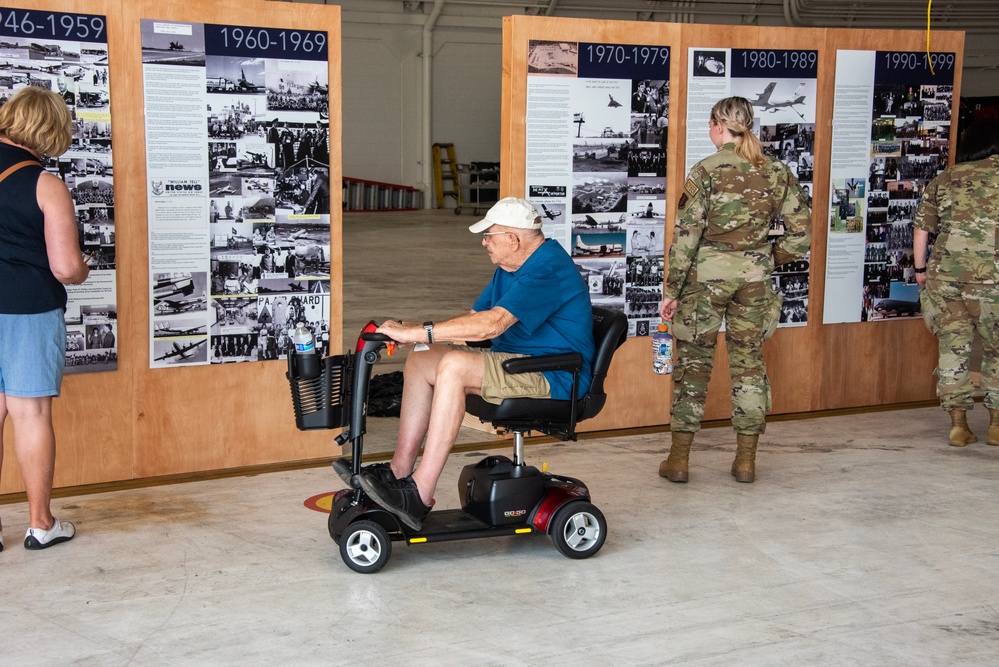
{"x":27,"y":285}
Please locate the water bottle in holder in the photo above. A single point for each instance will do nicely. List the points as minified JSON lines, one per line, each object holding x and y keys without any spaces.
{"x":306,"y":356}
{"x":662,"y":350}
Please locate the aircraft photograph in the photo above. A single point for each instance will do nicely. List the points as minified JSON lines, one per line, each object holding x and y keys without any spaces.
{"x":246,"y":86}
{"x":613,"y":103}
{"x":225,"y":184}
{"x":178,"y":353}
{"x":599,"y":250}
{"x":179,"y":328}
{"x":783,"y":100}
{"x":259,"y":185}
{"x":168,"y":285}
{"x":551,"y":213}
{"x":171,"y":306}
{"x":598,"y":221}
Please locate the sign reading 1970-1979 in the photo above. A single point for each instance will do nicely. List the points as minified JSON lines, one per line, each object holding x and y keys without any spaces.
{"x":597,"y":120}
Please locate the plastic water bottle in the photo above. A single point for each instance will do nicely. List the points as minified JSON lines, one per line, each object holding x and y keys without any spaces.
{"x":302,"y":337}
{"x":662,"y":350}
{"x":306,"y":355}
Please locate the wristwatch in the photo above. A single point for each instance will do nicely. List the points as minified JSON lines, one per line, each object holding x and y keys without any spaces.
{"x":922,"y":270}
{"x":429,"y":328}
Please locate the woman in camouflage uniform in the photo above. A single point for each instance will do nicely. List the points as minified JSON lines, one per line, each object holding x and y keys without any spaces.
{"x":720,"y":266}
{"x":959,"y":296}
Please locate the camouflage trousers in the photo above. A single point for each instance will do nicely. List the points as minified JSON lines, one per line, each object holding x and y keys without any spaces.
{"x":953,"y":312}
{"x":751,"y":311}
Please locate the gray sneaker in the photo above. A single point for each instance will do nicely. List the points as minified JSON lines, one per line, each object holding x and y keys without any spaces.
{"x":383,"y":470}
{"x":400,"y":497}
{"x":37,"y":538}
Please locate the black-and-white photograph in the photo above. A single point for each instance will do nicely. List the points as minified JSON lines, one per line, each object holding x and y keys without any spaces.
{"x":600,"y":155}
{"x":606,"y":193}
{"x":604,"y":279}
{"x":227,"y":74}
{"x":710,"y":63}
{"x":647,"y":161}
{"x":296,"y":92}
{"x":554,"y":58}
{"x":175,"y":293}
{"x":777,"y":100}
{"x":180,"y":352}
{"x":173,"y":43}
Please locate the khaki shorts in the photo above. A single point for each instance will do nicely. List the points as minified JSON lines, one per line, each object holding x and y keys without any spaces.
{"x":497,"y":384}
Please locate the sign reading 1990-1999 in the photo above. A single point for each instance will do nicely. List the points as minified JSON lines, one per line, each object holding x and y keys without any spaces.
{"x":597,"y":120}
{"x":891,"y":136}
{"x":781,"y":85}
{"x":237,"y":158}
{"x":68,"y":53}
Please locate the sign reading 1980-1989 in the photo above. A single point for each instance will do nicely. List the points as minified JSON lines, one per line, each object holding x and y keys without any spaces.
{"x":237,"y":150}
{"x":781,"y":84}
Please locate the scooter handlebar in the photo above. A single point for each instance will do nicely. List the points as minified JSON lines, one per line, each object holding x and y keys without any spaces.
{"x":375,"y":337}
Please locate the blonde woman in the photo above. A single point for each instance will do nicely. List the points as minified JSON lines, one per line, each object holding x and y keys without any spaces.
{"x":39,"y":253}
{"x":720,"y":266}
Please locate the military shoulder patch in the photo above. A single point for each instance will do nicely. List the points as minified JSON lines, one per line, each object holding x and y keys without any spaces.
{"x":690,"y":191}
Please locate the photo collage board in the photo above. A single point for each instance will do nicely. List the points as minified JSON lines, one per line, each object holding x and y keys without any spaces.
{"x":898,"y":105}
{"x":597,"y":126}
{"x":238,"y":191}
{"x":781,"y":84}
{"x":68,"y":53}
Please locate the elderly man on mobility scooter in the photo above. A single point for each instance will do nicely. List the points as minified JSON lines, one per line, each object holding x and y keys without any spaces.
{"x":536,"y":304}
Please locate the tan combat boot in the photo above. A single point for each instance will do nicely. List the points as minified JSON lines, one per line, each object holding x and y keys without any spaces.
{"x":744,"y":466}
{"x":674,"y":468}
{"x":993,"y":427}
{"x":960,"y":434}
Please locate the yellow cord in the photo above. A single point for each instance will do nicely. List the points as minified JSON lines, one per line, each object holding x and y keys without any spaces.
{"x":929,"y":6}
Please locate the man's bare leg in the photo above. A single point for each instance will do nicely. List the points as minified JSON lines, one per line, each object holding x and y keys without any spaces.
{"x":419,"y":377}
{"x":458,"y":374}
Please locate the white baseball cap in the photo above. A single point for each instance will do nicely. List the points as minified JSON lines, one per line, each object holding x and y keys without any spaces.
{"x":509,"y":212}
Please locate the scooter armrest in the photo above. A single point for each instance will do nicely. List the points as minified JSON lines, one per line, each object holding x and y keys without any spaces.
{"x":571,"y":362}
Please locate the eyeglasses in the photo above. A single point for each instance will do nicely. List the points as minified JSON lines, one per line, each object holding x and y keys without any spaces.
{"x":494,"y":233}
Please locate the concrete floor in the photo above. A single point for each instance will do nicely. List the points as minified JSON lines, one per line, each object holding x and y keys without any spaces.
{"x":865,"y":540}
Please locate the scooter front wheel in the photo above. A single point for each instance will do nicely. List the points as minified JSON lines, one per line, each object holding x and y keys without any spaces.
{"x":578,"y":530}
{"x":365,"y":547}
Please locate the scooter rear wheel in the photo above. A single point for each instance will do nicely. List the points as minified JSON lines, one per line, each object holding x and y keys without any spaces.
{"x":578,"y":530}
{"x":365,"y":547}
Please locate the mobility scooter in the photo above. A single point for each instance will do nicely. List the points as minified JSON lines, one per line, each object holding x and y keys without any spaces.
{"x":499,"y":495}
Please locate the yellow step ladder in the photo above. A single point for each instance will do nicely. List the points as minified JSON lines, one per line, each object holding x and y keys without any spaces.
{"x":446,"y":175}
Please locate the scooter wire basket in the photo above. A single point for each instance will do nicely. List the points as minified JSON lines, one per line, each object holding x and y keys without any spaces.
{"x":322,"y":402}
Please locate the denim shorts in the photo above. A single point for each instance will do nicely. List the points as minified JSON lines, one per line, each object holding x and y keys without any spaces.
{"x":32,"y":354}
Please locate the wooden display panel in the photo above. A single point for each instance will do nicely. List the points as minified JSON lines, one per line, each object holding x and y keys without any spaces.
{"x":816,"y":367}
{"x":138,"y":422}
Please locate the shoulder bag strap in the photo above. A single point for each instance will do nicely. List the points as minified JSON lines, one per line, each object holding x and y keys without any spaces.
{"x":14,"y":167}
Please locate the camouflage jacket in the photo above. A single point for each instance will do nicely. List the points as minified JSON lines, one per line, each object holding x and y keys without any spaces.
{"x":723,"y":221}
{"x":961,"y":205}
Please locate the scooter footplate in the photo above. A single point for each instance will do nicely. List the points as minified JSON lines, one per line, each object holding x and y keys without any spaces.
{"x":451,"y":521}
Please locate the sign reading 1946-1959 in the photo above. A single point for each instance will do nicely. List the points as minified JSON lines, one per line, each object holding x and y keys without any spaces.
{"x":68,"y":53}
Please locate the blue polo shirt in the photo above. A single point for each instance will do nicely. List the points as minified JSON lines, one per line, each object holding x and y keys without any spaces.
{"x":550,"y":300}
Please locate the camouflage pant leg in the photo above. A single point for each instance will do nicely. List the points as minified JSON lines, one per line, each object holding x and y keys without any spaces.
{"x":744,"y":327}
{"x":986,"y":299}
{"x":953,"y":312}
{"x":696,"y":327}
